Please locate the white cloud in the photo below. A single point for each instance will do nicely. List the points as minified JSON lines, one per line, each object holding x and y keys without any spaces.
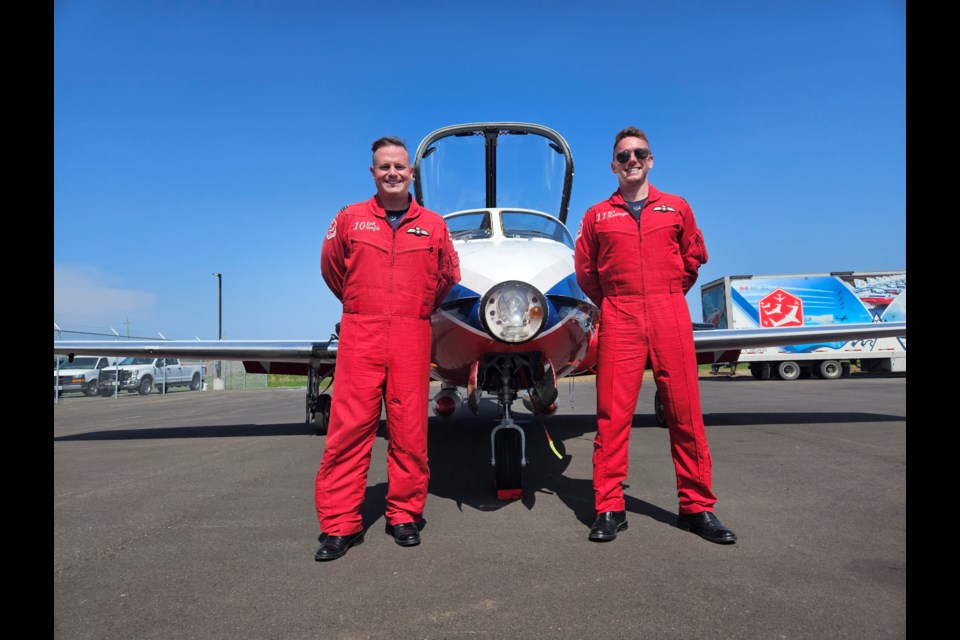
{"x":86,"y":298}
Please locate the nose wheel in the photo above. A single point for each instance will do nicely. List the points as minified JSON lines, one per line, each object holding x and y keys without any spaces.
{"x":507,"y":441}
{"x":509,"y":446}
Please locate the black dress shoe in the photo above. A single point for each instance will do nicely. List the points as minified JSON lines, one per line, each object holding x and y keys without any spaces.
{"x":607,"y":524}
{"x":333,"y":547}
{"x":405,"y":534}
{"x":706,"y":525}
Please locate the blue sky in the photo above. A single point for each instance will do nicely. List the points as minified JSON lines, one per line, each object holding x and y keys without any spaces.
{"x":200,"y":137}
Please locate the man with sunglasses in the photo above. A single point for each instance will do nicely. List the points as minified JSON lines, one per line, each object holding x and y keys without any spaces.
{"x":637,"y":254}
{"x":391,"y":263}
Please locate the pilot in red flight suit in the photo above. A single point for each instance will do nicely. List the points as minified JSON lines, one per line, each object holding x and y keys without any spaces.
{"x":391,"y":263}
{"x":637,"y":254}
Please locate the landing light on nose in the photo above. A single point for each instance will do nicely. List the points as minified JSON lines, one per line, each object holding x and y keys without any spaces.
{"x":513,"y":311}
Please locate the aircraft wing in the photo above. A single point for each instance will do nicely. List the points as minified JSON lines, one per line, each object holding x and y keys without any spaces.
{"x":301,"y":351}
{"x":325,"y":352}
{"x":726,"y":339}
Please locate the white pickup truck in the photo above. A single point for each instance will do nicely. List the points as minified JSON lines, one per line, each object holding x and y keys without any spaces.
{"x":141,"y":375}
{"x":83,"y":374}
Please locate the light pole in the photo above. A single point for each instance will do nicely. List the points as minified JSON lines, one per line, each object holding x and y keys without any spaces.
{"x":56,"y":374}
{"x":219,"y":276}
{"x":219,"y":305}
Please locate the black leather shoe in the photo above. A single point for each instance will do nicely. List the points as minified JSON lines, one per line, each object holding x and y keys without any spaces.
{"x":706,"y":525}
{"x":333,"y":547}
{"x":607,"y":524}
{"x":405,"y":534}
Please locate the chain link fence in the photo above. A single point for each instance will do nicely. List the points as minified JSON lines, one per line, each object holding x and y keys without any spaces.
{"x":233,"y":374}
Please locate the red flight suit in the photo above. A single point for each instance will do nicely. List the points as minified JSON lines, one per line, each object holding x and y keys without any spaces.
{"x":390,"y":282}
{"x":638,"y":274}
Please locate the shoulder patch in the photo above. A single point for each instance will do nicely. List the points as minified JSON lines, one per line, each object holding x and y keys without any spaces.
{"x":332,"y":229}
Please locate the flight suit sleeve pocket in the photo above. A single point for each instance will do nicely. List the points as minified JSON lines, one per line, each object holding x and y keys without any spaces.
{"x":451,"y":268}
{"x":699,"y":248}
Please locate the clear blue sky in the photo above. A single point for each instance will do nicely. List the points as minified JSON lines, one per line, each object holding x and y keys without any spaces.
{"x":223,"y":136}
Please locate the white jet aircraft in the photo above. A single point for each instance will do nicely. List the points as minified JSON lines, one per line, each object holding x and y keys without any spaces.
{"x":517,"y":322}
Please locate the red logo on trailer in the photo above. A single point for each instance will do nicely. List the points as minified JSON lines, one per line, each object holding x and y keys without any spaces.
{"x":781,"y":309}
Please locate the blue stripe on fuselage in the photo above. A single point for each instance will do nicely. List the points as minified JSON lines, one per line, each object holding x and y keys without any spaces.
{"x":463,"y":303}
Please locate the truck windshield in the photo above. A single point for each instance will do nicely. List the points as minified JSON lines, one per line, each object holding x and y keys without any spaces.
{"x":79,"y":363}
{"x":127,"y":361}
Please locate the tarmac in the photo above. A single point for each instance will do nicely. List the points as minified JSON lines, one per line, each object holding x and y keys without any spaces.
{"x":190,"y":515}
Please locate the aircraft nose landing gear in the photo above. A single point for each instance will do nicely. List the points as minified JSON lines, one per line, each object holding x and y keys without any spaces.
{"x":509,"y":457}
{"x":501,"y":374}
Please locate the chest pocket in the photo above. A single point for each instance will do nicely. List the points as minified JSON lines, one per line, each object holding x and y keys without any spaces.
{"x":418,"y":262}
{"x":615,"y":240}
{"x":661,"y":241}
{"x":619,"y":248}
{"x":367,"y":252}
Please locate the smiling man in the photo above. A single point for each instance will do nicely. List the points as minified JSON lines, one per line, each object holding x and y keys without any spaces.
{"x":391,"y":263}
{"x":637,"y":254}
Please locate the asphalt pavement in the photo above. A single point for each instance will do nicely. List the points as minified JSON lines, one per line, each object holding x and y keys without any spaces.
{"x":191,"y":515}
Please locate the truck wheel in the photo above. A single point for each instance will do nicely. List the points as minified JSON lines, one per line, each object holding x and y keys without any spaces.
{"x":146,"y":386}
{"x":91,"y":389}
{"x":195,"y":383}
{"x":830,"y":370}
{"x":105,"y":393}
{"x":788,"y":370}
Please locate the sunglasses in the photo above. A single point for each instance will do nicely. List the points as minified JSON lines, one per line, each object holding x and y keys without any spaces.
{"x":640,"y":153}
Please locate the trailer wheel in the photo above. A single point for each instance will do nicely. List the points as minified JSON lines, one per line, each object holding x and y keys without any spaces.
{"x":788,"y":370}
{"x":830,"y":369}
{"x":760,"y":371}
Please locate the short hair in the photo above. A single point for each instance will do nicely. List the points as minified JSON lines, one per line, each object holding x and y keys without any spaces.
{"x":629,"y":132}
{"x":387,"y":141}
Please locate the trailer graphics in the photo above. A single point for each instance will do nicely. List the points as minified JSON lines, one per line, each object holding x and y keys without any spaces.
{"x":751,"y":302}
